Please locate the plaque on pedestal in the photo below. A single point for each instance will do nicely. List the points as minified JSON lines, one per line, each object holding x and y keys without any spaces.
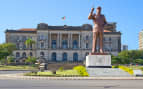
{"x":98,"y":61}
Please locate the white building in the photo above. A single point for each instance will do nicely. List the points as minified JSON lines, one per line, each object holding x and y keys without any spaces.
{"x":124,"y":47}
{"x":62,"y":43}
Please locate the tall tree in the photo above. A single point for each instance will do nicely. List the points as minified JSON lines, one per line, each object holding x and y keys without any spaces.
{"x":29,"y":42}
{"x":6,"y":49}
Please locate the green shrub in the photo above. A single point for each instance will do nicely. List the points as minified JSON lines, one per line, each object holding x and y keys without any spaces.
{"x":141,"y":68}
{"x":10,"y":59}
{"x":129,"y":70}
{"x":139,"y":61}
{"x":116,"y":66}
{"x":61,"y":69}
{"x":81,"y":70}
{"x":31,"y":60}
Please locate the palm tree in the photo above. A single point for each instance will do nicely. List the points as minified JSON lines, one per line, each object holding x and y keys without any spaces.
{"x":29,"y":42}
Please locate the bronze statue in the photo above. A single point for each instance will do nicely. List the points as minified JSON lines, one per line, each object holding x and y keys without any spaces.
{"x":99,"y":22}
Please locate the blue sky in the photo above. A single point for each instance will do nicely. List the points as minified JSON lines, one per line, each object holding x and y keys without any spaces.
{"x":128,"y":14}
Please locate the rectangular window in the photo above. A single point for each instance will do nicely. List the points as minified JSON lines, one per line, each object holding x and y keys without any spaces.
{"x":54,"y":44}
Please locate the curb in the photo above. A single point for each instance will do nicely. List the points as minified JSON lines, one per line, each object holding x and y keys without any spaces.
{"x":20,"y":76}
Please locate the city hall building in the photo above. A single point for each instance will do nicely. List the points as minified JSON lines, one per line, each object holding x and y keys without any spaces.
{"x":61,"y":43}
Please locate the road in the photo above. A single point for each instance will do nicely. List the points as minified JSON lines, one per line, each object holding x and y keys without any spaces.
{"x":71,"y":84}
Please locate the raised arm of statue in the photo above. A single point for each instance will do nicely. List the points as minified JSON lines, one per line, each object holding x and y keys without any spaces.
{"x":91,"y":14}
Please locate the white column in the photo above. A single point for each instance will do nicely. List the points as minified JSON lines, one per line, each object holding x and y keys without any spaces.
{"x":79,"y":40}
{"x":69,"y":40}
{"x":50,"y":40}
{"x":57,"y":40}
{"x":60,"y":40}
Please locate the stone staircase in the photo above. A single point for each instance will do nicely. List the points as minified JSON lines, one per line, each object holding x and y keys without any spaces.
{"x":107,"y":72}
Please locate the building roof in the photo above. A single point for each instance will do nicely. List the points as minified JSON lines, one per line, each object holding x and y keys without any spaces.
{"x":27,"y":29}
{"x":34,"y":32}
{"x":107,"y":31}
{"x":109,"y":28}
{"x":20,"y":31}
{"x":44,"y":26}
{"x":85,"y":27}
{"x":65,"y":28}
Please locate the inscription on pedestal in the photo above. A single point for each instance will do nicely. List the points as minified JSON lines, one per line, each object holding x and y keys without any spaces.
{"x":98,"y":61}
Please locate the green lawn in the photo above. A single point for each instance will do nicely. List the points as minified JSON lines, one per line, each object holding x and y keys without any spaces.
{"x":64,"y":73}
{"x":136,"y":67}
{"x":4,"y":67}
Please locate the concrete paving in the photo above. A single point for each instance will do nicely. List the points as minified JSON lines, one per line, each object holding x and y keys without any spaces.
{"x":71,"y":84}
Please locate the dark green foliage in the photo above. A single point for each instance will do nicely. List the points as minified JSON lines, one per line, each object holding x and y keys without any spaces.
{"x":6,"y":49}
{"x":128,"y":57}
{"x":31,"y":60}
{"x":10,"y":59}
{"x":29,"y":42}
{"x":139,"y":61}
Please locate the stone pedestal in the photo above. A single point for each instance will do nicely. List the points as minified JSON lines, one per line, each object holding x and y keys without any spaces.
{"x":98,"y":61}
{"x":107,"y":72}
{"x":99,"y":65}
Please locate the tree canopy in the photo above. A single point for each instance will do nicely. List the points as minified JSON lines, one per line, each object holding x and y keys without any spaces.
{"x":127,"y":57}
{"x":6,"y":49}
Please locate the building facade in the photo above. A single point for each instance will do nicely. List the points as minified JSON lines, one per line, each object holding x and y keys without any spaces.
{"x":124,"y":47}
{"x":62,"y":43}
{"x":141,"y":40}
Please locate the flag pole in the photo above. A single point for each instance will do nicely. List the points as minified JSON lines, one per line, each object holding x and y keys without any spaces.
{"x":93,"y":6}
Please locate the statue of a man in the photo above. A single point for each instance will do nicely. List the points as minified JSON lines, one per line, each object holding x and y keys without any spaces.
{"x":98,"y":30}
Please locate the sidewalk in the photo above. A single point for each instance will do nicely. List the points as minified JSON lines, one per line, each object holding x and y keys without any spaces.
{"x":20,"y":76}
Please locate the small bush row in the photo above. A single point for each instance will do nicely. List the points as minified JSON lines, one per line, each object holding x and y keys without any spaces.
{"x":81,"y":70}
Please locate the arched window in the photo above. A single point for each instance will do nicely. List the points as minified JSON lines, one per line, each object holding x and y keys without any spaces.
{"x":75,"y":57}
{"x":42,"y":45}
{"x":64,"y":44}
{"x":42,"y":54}
{"x":30,"y":46}
{"x":54,"y":44}
{"x":86,"y":54}
{"x":17,"y":54}
{"x":87,"y":45}
{"x":87,"y":37}
{"x":75,"y":44}
{"x":109,"y":38}
{"x":24,"y":55}
{"x":24,"y":46}
{"x":54,"y":56}
{"x":65,"y":57}
{"x":31,"y":54}
{"x":18,"y":45}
